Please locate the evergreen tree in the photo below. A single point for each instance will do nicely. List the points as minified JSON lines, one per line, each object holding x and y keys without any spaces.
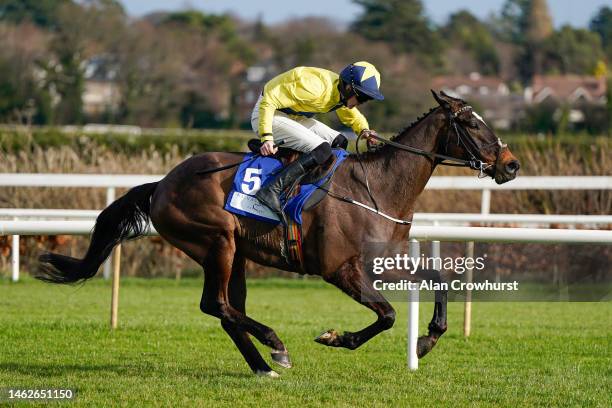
{"x":572,"y":51}
{"x":67,"y":74}
{"x":602,"y":25}
{"x":465,"y":30}
{"x":539,"y":28}
{"x":527,"y":23}
{"x":514,"y":21}
{"x":402,"y":24}
{"x":40,"y":12}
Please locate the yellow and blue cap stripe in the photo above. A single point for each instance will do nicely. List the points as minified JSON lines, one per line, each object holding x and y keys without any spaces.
{"x":364,"y":77}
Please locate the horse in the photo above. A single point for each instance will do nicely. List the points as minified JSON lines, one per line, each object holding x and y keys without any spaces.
{"x":186,"y":207}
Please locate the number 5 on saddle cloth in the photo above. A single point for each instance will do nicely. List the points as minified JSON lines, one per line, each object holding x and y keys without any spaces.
{"x":255,"y":172}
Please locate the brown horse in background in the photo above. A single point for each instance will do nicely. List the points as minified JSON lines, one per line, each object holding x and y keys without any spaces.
{"x":187,"y":210}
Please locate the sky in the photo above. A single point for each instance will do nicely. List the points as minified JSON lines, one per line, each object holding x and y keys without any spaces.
{"x":577,"y":13}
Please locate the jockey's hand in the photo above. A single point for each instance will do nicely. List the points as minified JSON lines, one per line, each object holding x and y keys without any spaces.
{"x":370,"y":141}
{"x":268,"y":148}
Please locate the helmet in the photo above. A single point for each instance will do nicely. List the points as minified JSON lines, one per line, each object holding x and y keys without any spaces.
{"x":364,"y":78}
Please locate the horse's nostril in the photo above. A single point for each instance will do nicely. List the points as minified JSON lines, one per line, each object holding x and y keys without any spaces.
{"x":513,"y":166}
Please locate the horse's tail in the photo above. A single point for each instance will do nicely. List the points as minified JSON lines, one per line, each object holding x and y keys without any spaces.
{"x":126,"y":218}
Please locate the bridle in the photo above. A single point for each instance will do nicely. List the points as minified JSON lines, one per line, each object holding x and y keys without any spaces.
{"x":464,"y":139}
{"x":471,"y":147}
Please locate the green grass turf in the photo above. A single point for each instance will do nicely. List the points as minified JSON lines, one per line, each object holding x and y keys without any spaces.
{"x":167,"y":353}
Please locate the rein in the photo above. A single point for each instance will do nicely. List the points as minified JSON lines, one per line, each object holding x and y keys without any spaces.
{"x":230,"y":166}
{"x":462,"y":138}
{"x":444,"y":160}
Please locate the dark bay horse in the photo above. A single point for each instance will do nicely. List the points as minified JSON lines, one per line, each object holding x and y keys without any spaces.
{"x":187,"y":210}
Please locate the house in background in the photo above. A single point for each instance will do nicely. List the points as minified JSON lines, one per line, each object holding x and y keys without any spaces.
{"x":574,"y":91}
{"x":255,"y":77}
{"x":504,"y":108}
{"x":101,"y":93}
{"x":491,"y":95}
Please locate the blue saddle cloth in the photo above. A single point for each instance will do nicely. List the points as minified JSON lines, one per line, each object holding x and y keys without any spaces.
{"x":254,"y":173}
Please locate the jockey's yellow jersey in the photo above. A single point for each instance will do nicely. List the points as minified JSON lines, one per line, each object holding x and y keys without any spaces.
{"x":305,"y":91}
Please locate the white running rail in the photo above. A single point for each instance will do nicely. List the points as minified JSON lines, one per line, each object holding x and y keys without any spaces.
{"x":434,"y":233}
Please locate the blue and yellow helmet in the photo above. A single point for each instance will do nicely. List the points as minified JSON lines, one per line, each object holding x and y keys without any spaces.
{"x":364,"y":78}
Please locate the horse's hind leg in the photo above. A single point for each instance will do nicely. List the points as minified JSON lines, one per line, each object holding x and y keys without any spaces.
{"x":237,"y":298}
{"x":219,"y":289}
{"x":350,"y":279}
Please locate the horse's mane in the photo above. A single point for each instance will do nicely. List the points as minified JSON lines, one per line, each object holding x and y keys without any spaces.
{"x":414,"y":123}
{"x":419,"y":119}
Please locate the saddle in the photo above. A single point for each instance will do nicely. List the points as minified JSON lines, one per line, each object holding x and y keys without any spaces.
{"x":287,"y":156}
{"x":255,"y":170}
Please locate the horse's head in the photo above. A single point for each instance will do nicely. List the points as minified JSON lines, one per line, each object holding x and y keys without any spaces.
{"x":470,"y":138}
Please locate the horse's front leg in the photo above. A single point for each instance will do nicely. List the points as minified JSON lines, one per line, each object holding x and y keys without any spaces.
{"x":351,"y":279}
{"x":437,"y":325}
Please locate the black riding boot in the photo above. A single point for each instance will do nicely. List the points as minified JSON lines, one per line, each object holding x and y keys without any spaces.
{"x":285,"y":180}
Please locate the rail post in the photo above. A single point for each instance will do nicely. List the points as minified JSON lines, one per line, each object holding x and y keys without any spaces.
{"x":467,"y":307}
{"x":110,"y":197}
{"x":485,"y":203}
{"x":435,"y":253}
{"x":115,"y":284}
{"x":15,"y":257}
{"x":413,"y":314}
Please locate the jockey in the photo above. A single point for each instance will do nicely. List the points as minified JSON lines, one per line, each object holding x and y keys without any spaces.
{"x":284,"y":114}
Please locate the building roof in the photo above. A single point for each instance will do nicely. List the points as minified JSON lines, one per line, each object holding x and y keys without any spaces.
{"x":568,"y":88}
{"x":100,"y":68}
{"x":474,"y":80}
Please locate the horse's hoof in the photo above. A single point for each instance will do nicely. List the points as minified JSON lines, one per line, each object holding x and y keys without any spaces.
{"x":329,"y":338}
{"x":269,"y":374}
{"x":424,"y":346}
{"x":281,"y":358}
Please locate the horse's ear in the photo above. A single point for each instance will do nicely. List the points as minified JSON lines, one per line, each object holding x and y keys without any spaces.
{"x":441,"y":101}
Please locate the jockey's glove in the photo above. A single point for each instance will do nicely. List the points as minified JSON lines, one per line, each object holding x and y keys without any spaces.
{"x":369,"y":135}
